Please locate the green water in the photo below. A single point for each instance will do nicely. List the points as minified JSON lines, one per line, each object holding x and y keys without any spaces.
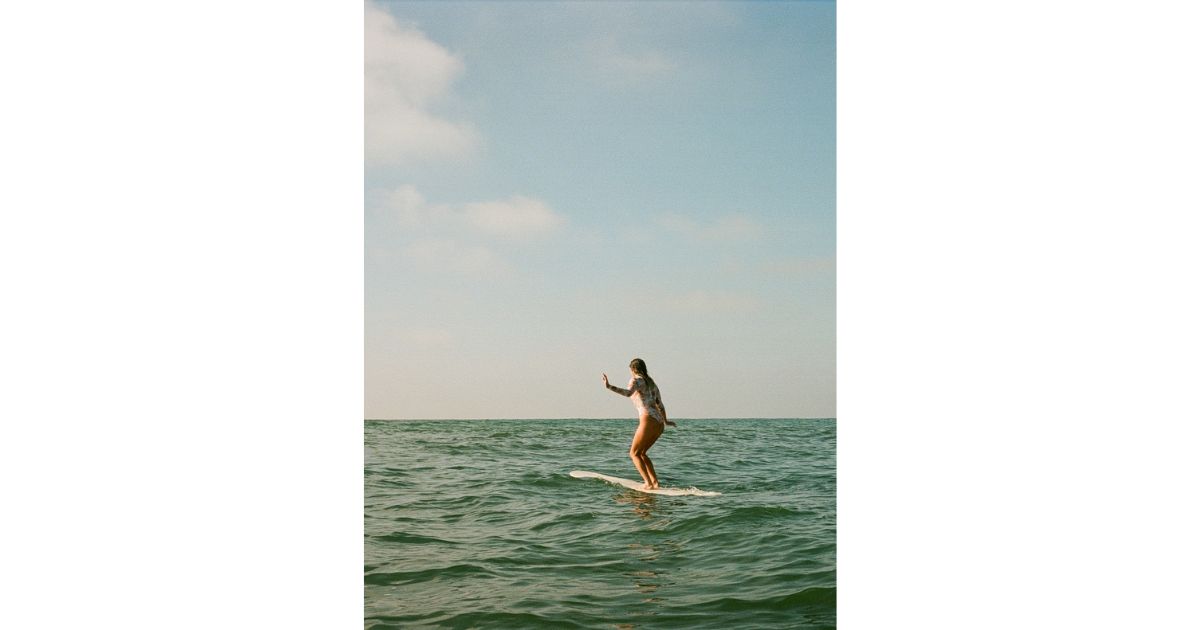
{"x":477,"y":524}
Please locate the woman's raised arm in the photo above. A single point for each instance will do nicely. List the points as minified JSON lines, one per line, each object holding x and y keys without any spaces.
{"x":624,"y":392}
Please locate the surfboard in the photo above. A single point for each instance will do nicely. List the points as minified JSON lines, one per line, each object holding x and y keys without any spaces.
{"x":637,"y":485}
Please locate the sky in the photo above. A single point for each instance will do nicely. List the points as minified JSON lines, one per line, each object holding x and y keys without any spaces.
{"x":553,"y":189}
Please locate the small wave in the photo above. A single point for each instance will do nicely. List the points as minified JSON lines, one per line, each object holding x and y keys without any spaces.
{"x":391,"y":578}
{"x":538,"y":479}
{"x":564,"y":518}
{"x":508,"y":620}
{"x":762,"y":511}
{"x":555,"y":562}
{"x":823,"y":596}
{"x":402,"y":537}
{"x":464,"y":501}
{"x":393,"y":483}
{"x":735,"y":517}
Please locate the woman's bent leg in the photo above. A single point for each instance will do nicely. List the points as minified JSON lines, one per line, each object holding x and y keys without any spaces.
{"x":650,"y":468}
{"x":647,"y":434}
{"x":641,"y":467}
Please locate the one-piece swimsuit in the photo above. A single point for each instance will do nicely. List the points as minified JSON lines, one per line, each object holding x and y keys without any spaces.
{"x":646,"y":399}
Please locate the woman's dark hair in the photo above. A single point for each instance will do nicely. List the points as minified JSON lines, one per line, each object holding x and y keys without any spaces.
{"x":639,"y":367}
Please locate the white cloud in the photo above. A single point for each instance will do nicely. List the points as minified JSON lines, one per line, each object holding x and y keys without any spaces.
{"x":619,"y":65}
{"x":406,"y":74}
{"x":448,"y":255}
{"x":734,"y":227}
{"x":516,"y":217}
{"x":411,"y":210}
{"x":408,"y":204}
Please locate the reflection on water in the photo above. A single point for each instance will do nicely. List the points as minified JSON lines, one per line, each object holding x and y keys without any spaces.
{"x":644,"y":505}
{"x":646,"y":584}
{"x":649,"y":553}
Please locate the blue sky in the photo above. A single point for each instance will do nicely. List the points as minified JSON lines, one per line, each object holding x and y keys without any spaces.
{"x":555,"y":188}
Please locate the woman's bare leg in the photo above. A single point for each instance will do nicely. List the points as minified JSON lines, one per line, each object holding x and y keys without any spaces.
{"x":635,"y":453}
{"x":650,"y":468}
{"x":647,"y":434}
{"x":641,"y":468}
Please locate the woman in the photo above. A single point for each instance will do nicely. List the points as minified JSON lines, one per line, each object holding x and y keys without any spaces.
{"x":652,"y":419}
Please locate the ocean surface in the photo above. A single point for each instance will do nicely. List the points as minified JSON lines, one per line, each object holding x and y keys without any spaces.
{"x":478,"y":524}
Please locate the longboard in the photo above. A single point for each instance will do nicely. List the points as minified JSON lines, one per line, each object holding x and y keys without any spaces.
{"x":637,"y":485}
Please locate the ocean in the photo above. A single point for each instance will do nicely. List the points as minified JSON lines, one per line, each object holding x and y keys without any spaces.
{"x":478,"y":524}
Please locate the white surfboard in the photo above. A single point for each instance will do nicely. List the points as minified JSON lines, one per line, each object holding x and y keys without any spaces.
{"x":637,"y":485}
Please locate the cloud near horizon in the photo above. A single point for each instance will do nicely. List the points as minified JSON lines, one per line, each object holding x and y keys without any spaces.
{"x":455,"y":257}
{"x":455,"y":238}
{"x":515,"y":217}
{"x":518,"y":217}
{"x":406,"y":75}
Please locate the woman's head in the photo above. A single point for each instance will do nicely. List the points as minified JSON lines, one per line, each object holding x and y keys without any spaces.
{"x":638,"y":366}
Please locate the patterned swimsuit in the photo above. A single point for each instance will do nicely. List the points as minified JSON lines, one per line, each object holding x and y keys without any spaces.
{"x":646,"y":399}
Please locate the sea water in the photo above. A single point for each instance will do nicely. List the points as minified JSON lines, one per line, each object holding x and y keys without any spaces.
{"x":478,"y":524}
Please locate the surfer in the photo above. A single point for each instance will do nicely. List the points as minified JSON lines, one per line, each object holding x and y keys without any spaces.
{"x":652,"y":418}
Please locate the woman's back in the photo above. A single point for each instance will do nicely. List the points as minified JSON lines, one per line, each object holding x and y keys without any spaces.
{"x":645,"y":395}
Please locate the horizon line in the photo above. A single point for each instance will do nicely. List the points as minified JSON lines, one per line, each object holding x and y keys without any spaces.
{"x":610,"y":418}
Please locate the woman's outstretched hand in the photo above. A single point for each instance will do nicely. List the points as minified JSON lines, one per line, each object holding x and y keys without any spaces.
{"x":605,"y":376}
